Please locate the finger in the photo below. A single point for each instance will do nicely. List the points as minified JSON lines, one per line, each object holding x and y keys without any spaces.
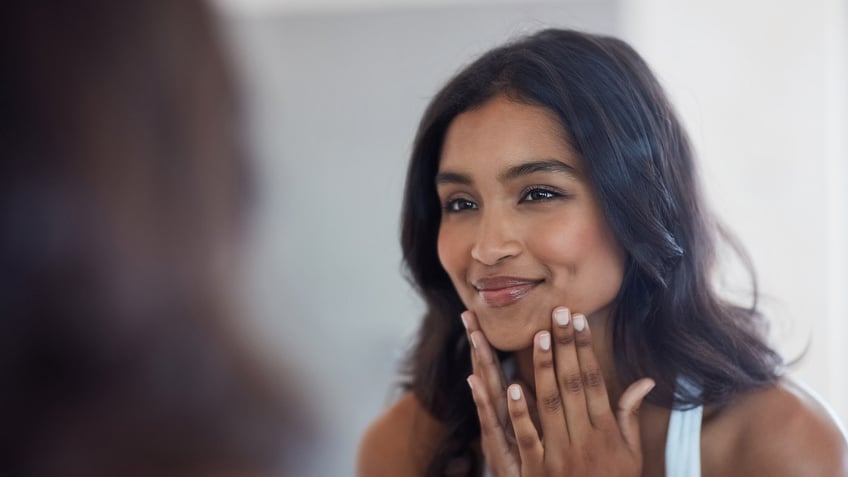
{"x":568,"y":372}
{"x":489,"y":369}
{"x":493,"y":438}
{"x":531,"y":403}
{"x":527,"y":438}
{"x":466,"y":323}
{"x":469,"y":320}
{"x":594,"y":387}
{"x":470,"y":325}
{"x":548,"y":397}
{"x":628,"y":412}
{"x":487,"y":366}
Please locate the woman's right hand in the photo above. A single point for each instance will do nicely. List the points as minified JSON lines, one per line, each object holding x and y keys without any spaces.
{"x":488,"y":387}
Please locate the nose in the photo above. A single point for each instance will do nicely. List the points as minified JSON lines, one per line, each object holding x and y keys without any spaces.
{"x":496,"y":239}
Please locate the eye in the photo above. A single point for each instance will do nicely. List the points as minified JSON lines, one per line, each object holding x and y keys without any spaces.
{"x":458,"y":205}
{"x":538,"y":194}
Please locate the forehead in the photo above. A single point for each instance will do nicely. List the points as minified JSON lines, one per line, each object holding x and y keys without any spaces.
{"x":501,"y":133}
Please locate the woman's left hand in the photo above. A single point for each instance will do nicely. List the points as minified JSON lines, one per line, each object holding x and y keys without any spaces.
{"x":580,"y":434}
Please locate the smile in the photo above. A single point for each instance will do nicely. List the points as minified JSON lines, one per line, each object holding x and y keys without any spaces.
{"x":503,"y":291}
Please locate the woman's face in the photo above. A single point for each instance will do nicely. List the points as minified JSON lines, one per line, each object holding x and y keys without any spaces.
{"x":521,"y":231}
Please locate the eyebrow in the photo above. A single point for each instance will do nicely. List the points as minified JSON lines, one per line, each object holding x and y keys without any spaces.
{"x":532,"y":167}
{"x":452,"y":178}
{"x":547,"y":165}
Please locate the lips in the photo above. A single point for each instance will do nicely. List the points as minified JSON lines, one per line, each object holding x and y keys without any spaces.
{"x":503,"y":291}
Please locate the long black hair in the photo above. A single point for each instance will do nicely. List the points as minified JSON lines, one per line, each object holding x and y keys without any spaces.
{"x":668,"y":322}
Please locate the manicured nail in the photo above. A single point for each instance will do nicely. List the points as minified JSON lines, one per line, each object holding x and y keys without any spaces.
{"x":562,"y":316}
{"x":650,"y":386}
{"x":470,"y":384}
{"x":579,"y":322}
{"x":545,"y":341}
{"x":464,"y":320}
{"x":515,"y":392}
{"x":473,"y":341}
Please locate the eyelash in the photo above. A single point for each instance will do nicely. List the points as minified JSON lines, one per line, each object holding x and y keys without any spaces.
{"x":451,"y":206}
{"x":551,"y":194}
{"x":454,"y":206}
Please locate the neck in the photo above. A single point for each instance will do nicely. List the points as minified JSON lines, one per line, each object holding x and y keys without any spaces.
{"x":602,"y":347}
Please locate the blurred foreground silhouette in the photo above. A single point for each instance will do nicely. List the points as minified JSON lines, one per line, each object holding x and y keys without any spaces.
{"x":122,"y":194}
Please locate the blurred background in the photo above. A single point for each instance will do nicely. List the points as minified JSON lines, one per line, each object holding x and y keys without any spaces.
{"x":335,"y":89}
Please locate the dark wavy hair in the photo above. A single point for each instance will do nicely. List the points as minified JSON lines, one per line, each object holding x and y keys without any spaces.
{"x":668,"y":321}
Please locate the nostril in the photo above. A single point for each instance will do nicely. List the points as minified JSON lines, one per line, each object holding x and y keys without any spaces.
{"x":493,"y":255}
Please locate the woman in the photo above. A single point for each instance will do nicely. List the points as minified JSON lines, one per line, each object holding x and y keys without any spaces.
{"x":553,"y":222}
{"x":122,"y":195}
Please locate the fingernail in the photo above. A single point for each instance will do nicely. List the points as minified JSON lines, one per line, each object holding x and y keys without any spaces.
{"x":464,"y":320}
{"x":650,"y":386}
{"x":562,"y":316}
{"x":470,"y":384}
{"x":579,"y":322}
{"x":473,"y":341}
{"x":545,"y":341}
{"x":515,"y":392}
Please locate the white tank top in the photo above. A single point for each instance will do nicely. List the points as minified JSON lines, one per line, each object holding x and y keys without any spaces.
{"x":683,"y":444}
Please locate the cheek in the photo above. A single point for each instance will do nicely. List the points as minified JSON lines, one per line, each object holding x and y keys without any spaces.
{"x":559,"y":246}
{"x":585,"y":261}
{"x":449,"y":246}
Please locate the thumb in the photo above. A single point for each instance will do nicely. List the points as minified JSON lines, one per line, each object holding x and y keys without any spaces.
{"x":628,"y":412}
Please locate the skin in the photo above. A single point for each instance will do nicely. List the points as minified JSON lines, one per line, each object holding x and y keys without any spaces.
{"x":571,"y":415}
{"x":505,"y":217}
{"x":542,"y":225}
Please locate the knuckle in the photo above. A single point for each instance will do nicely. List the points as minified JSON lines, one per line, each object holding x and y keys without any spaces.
{"x":623,"y":409}
{"x":526,"y":441}
{"x":565,"y":339}
{"x":606,"y":426}
{"x":489,"y":429}
{"x":610,"y":438}
{"x":588,"y":455}
{"x":483,"y":357}
{"x":554,"y":465}
{"x":546,"y":363}
{"x":583,"y":340}
{"x":573,"y":382}
{"x":593,"y":378}
{"x":552,"y":402}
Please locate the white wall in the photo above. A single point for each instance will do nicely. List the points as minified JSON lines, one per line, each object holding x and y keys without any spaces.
{"x":336,"y":88}
{"x":761,"y":85}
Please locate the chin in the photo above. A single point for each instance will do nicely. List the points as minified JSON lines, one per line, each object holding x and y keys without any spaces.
{"x":507,"y":335}
{"x":511,"y":343}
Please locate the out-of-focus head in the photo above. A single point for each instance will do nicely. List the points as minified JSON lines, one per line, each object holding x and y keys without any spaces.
{"x":122,"y":189}
{"x":124,"y":115}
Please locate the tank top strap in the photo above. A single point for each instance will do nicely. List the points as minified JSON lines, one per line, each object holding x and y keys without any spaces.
{"x":683,"y":444}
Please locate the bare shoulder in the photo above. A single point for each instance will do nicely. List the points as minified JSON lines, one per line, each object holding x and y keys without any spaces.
{"x":781,"y":431}
{"x":399,"y":442}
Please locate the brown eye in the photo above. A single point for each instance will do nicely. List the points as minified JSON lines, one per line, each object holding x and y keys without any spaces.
{"x":458,"y":205}
{"x":539,"y":195}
